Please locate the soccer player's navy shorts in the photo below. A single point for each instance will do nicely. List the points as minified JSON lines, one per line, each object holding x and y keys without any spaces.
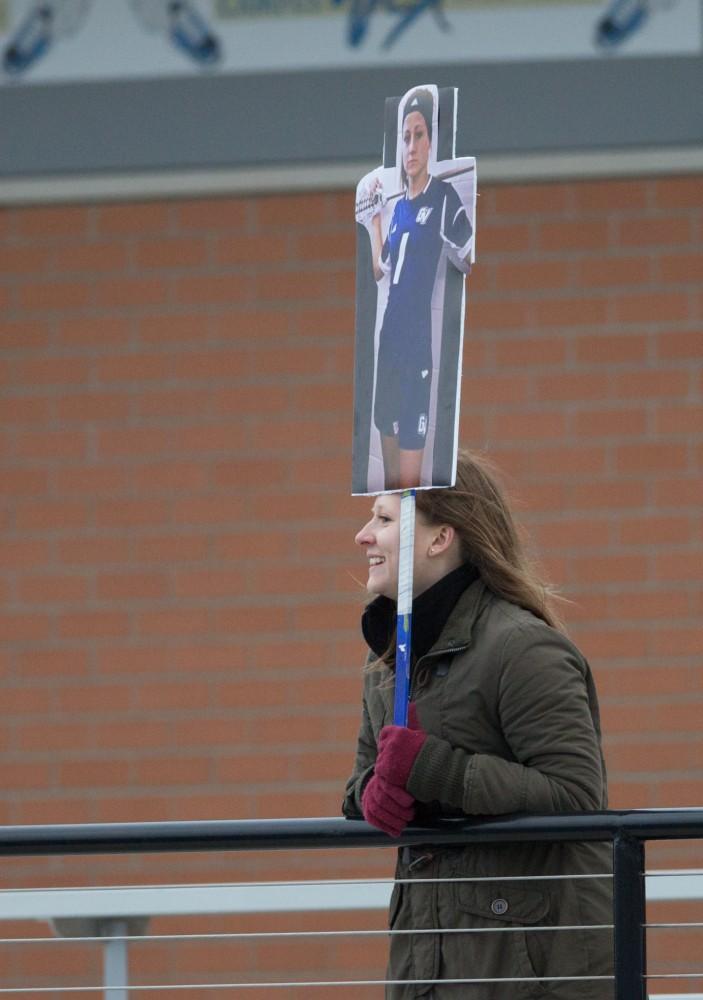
{"x":402,"y":403}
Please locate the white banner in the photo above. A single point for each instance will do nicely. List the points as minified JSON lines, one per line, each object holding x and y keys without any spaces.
{"x":56,"y":41}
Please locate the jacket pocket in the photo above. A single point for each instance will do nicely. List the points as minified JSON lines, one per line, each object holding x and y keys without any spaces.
{"x":505,"y":902}
{"x":515,"y":950}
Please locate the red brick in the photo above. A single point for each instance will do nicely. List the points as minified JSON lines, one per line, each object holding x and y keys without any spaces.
{"x":572,"y":386}
{"x":204,"y":584}
{"x":686,"y":420}
{"x":49,"y":222}
{"x":293,"y":286}
{"x":595,"y":423}
{"x":559,"y":236}
{"x":256,"y":544}
{"x":54,"y":295}
{"x":674,"y":345}
{"x":21,"y":259}
{"x":655,"y":530}
{"x":83,"y":332}
{"x":51,"y":444}
{"x":609,"y":196}
{"x":24,"y":553}
{"x":94,"y":699}
{"x":529,"y":199}
{"x":53,"y":515}
{"x":252,"y":250}
{"x":649,"y":605}
{"x":138,"y":441}
{"x":211,"y":213}
{"x":504,"y":239}
{"x":94,"y":407}
{"x":173,"y":548}
{"x":175,"y":252}
{"x":553,"y":461}
{"x":291,"y":211}
{"x":51,"y":588}
{"x":211,"y":365}
{"x":250,"y":474}
{"x":97,"y":774}
{"x":574,"y":533}
{"x":611,"y":349}
{"x":679,"y":192}
{"x":91,"y":257}
{"x":170,"y":477}
{"x":85,"y":550}
{"x":53,"y":663}
{"x":571,"y":312}
{"x":648,"y":457}
{"x":681,"y":269}
{"x":170,"y":771}
{"x":255,"y":399}
{"x":200,"y":510}
{"x":173,"y":622}
{"x":652,"y":307}
{"x":496,"y":315}
{"x":679,"y":491}
{"x":656,"y":233}
{"x":648,"y":384}
{"x":615,"y":568}
{"x":131,"y":586}
{"x":174,"y":403}
{"x":529,"y":350}
{"x":494,"y":389}
{"x":19,"y":482}
{"x":614,"y":643}
{"x":128,"y":292}
{"x":23,"y":335}
{"x":91,"y":480}
{"x":186,"y":696}
{"x":169,"y":328}
{"x":245,"y":325}
{"x":135,"y":217}
{"x":680,"y":642}
{"x":131,"y":513}
{"x":214,"y":289}
{"x":679,"y":566}
{"x":92,"y":624}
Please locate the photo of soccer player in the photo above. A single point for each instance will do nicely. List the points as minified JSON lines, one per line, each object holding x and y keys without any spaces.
{"x":414,"y":232}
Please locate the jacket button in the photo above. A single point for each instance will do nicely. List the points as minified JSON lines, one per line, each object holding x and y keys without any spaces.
{"x":499,"y":907}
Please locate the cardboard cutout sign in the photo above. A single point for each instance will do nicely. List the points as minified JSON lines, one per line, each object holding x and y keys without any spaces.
{"x":416,"y":235}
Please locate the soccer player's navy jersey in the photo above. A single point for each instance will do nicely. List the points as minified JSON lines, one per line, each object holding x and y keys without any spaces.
{"x":410,"y":255}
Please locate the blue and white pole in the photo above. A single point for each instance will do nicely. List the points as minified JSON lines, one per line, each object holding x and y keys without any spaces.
{"x":405,"y":608}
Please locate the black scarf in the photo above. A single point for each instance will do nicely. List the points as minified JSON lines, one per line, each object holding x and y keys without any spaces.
{"x":431,"y":609}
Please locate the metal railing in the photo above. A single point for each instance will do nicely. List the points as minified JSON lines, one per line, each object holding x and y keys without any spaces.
{"x":627,"y":830}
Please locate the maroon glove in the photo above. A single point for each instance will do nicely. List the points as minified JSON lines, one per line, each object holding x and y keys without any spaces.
{"x":386,"y":807}
{"x":397,"y":749}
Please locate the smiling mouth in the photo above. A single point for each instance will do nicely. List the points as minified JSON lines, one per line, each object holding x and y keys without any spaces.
{"x":376,"y":561}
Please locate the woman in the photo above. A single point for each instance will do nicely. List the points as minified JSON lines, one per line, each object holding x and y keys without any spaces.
{"x":504,"y":719}
{"x":427,"y":218}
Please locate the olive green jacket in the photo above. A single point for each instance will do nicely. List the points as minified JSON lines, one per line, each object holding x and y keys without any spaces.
{"x":512,"y":716}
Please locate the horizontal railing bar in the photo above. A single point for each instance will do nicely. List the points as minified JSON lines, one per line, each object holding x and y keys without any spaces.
{"x":325,"y":832}
{"x":256,"y":897}
{"x":314,"y":882}
{"x":246,"y":935}
{"x":313,"y":982}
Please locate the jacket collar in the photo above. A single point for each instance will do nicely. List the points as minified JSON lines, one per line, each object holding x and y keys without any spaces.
{"x":433,"y":613}
{"x":459,"y":626}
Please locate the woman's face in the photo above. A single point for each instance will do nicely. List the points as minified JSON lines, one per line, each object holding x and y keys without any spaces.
{"x":416,"y":145}
{"x":379,"y":538}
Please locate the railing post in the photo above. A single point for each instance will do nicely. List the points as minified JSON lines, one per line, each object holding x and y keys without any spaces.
{"x":629,"y":918}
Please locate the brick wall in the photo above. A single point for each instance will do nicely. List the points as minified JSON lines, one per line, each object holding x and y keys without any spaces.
{"x":180,"y":593}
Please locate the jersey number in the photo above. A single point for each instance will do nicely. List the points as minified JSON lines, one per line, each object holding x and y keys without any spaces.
{"x":401,"y":257}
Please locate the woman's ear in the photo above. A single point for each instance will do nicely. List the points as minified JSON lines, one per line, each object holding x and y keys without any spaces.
{"x":442,"y":539}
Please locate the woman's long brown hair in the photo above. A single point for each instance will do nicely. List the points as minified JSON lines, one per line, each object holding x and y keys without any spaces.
{"x":478,"y":510}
